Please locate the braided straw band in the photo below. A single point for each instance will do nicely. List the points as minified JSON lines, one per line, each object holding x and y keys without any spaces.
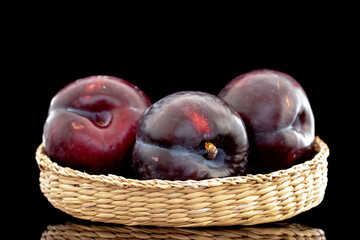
{"x":243,"y":200}
{"x":99,"y":232}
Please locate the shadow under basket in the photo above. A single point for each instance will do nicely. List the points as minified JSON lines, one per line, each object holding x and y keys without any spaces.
{"x":242,"y":200}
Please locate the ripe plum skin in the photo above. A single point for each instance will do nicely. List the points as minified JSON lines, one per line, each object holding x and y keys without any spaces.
{"x":277,"y":115}
{"x":170,"y":142}
{"x":92,"y":122}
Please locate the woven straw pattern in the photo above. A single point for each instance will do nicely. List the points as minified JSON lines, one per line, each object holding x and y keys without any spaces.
{"x":273,"y":231}
{"x":243,"y":200}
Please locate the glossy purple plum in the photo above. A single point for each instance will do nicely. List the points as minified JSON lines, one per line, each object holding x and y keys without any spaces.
{"x":190,"y":135}
{"x":92,"y":122}
{"x":277,"y":115}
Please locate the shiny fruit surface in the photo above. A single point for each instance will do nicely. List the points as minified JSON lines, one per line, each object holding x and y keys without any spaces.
{"x":92,"y":122}
{"x":277,"y":115}
{"x":190,"y":135}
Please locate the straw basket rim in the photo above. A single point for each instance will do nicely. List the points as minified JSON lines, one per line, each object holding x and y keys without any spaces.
{"x":241,"y":200}
{"x":44,"y":162}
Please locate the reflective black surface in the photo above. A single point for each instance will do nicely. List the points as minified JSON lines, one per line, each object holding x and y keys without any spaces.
{"x":45,"y":68}
{"x":74,"y":230}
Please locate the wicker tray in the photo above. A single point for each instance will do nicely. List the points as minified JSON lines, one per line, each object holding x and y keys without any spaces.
{"x":99,"y":232}
{"x":243,"y":200}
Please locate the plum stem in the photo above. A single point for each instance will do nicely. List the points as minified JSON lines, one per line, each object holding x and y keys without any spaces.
{"x":211,"y":150}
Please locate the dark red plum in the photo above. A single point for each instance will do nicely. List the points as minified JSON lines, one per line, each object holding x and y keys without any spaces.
{"x":277,"y":115}
{"x":190,"y":135}
{"x":92,"y":123}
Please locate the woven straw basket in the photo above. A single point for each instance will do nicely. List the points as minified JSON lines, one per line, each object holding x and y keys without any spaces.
{"x":243,"y":200}
{"x":271,"y":231}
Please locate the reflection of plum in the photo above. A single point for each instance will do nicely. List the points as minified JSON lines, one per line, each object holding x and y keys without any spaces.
{"x":277,"y":115}
{"x":92,"y":123}
{"x":190,"y":135}
{"x":99,"y":232}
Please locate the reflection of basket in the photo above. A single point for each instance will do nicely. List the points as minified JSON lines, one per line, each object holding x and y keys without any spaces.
{"x":269,"y":231}
{"x":243,"y":200}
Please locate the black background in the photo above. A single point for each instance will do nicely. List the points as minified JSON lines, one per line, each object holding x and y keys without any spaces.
{"x":162,"y":59}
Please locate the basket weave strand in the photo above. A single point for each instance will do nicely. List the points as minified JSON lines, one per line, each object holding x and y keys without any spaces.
{"x":243,"y":200}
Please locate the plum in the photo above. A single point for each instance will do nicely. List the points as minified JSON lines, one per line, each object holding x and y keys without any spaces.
{"x":92,"y":122}
{"x":190,"y":135}
{"x":278,"y":118}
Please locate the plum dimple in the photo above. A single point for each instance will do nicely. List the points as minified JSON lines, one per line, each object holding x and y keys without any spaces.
{"x":184,"y":136}
{"x":100,"y":119}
